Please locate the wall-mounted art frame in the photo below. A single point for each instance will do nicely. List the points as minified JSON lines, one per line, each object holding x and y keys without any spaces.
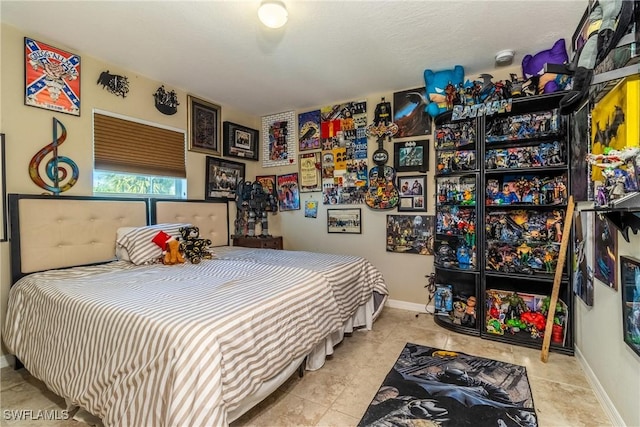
{"x":288,"y":192}
{"x":240,"y":141}
{"x":410,"y":234}
{"x":630,"y":283}
{"x":310,"y":167}
{"x":411,"y":156}
{"x":278,"y":140}
{"x":605,"y":251}
{"x":51,"y":78}
{"x":344,"y":221}
{"x":203,"y":124}
{"x":409,"y":113}
{"x":309,"y":130}
{"x":222,"y":178}
{"x":413,"y":191}
{"x":268,"y":183}
{"x":3,"y":188}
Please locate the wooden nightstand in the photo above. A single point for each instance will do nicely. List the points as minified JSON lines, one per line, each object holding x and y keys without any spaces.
{"x":274,"y":242}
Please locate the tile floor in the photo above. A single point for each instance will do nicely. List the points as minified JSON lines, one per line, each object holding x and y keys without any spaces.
{"x":339,"y":393}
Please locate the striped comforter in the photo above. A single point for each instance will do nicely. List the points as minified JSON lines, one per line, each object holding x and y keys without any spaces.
{"x":174,"y":345}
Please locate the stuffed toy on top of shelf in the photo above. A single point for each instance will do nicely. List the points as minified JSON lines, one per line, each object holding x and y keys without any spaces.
{"x":533,"y":68}
{"x":442,"y":87}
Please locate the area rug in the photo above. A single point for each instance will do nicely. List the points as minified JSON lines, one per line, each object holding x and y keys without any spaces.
{"x":433,"y":387}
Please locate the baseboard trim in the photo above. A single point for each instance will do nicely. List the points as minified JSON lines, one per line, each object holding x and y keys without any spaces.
{"x":411,"y":306}
{"x":601,"y":394}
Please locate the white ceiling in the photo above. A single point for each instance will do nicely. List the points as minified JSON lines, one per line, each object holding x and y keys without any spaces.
{"x":329,"y":51}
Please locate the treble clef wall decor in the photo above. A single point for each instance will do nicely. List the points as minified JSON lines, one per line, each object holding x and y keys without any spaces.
{"x":56,"y":172}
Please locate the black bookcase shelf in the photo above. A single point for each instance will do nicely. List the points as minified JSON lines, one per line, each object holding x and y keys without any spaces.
{"x":533,"y":224}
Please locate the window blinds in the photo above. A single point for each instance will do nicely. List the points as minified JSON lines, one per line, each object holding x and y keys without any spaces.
{"x":127,"y":146}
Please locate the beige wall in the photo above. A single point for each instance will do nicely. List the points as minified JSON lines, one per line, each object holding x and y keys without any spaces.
{"x":27,"y":129}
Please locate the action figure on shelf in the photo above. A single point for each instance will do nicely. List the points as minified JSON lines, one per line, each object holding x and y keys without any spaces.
{"x":252,"y":203}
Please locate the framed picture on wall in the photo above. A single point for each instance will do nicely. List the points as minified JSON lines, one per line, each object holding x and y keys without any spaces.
{"x":410,"y":234}
{"x":411,"y":156}
{"x":240,"y":141}
{"x":310,"y":179}
{"x":51,"y":78}
{"x":344,"y":221}
{"x":222,"y":178}
{"x":630,"y":283}
{"x":203,"y":124}
{"x":288,"y":192}
{"x":413,"y":191}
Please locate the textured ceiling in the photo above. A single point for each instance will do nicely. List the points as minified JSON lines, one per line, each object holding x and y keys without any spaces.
{"x":329,"y":51}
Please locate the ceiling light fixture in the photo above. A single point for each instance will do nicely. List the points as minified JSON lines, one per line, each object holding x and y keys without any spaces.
{"x":273,"y":13}
{"x":505,"y":57}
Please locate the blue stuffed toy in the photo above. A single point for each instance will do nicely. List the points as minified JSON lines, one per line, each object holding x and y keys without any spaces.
{"x":436,"y":83}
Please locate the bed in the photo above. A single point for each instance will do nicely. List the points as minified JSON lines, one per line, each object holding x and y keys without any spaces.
{"x":188,"y":344}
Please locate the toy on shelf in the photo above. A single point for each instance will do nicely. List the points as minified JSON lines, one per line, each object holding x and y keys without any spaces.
{"x":455,"y":161}
{"x":523,"y":126}
{"x":457,"y":190}
{"x":533,"y":68}
{"x":545,"y":154}
{"x":441,"y":88}
{"x":523,"y":241}
{"x":455,"y":135}
{"x":443,"y":299}
{"x":621,"y":172}
{"x":524,"y":314}
{"x":527,"y":190}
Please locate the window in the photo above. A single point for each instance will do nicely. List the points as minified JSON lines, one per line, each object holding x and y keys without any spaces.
{"x":137,"y":158}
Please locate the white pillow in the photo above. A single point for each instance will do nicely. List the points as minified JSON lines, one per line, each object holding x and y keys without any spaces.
{"x":135,"y":244}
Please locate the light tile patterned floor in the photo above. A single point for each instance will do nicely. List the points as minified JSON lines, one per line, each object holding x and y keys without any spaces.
{"x":339,"y":393}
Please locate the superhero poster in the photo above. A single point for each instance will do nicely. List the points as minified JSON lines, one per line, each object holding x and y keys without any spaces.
{"x":309,"y":130}
{"x":409,"y":113}
{"x":288,"y":192}
{"x":52,"y":78}
{"x":605,"y":252}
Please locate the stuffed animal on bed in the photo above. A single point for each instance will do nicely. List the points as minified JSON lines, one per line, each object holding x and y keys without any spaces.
{"x":171,"y":248}
{"x":195,"y":248}
{"x":533,"y":68}
{"x":438,"y":85}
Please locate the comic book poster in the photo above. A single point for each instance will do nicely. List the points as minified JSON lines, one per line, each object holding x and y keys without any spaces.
{"x":309,"y":130}
{"x":52,"y":78}
{"x":344,"y":152}
{"x":288,"y":192}
{"x":605,"y":251}
{"x":409,"y":113}
{"x":582,"y":277}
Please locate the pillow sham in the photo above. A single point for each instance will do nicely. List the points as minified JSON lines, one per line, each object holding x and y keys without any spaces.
{"x":138,"y":244}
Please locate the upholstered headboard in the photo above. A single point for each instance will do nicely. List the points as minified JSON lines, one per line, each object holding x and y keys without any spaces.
{"x":212,"y":217}
{"x":50,"y":232}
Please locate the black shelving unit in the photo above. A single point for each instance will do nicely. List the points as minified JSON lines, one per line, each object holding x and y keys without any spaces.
{"x":522,"y":182}
{"x":457,"y":212}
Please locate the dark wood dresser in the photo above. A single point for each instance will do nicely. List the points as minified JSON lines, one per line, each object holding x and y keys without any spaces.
{"x":274,"y":242}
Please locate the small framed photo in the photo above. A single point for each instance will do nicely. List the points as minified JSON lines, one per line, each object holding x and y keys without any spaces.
{"x":630,"y":282}
{"x":413,"y":193}
{"x":222,"y":178}
{"x":240,"y":141}
{"x":345,"y":221}
{"x":203,"y":124}
{"x":411,"y":156}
